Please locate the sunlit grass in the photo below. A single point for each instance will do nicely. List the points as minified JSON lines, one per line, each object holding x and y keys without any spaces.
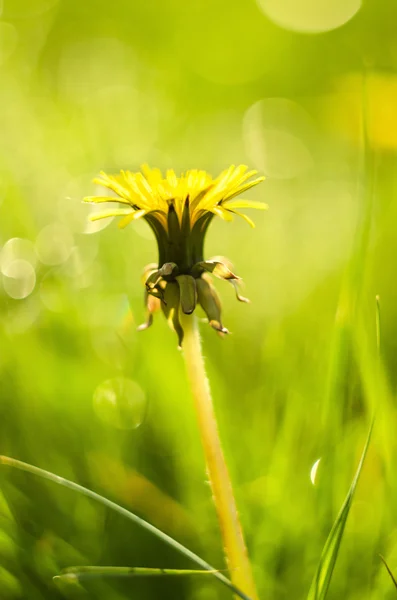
{"x":306,"y":367}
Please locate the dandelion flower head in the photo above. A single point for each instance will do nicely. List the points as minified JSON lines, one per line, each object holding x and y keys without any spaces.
{"x":179,"y":211}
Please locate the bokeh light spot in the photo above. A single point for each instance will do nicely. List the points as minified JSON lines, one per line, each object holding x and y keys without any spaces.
{"x":54,"y":244}
{"x":276,"y":134}
{"x":142,"y":229}
{"x":120,"y":402}
{"x":82,"y":256}
{"x":310,"y":16}
{"x":95,"y":226}
{"x":14,"y":249}
{"x":19,"y":279}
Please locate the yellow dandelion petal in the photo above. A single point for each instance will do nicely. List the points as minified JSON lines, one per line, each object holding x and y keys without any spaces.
{"x":154,"y":176}
{"x":225,"y":185}
{"x":224,"y":177}
{"x":149,"y":193}
{"x":243,"y":176}
{"x":131,"y":217}
{"x":238,"y":175}
{"x":99,"y":199}
{"x":243,"y":216}
{"x":172,"y":179}
{"x":145,"y":187}
{"x":203,"y":181}
{"x":115,"y":212}
{"x":228,"y":204}
{"x":163,"y":190}
{"x":223,"y":213}
{"x":113,"y":184}
{"x":243,"y":188}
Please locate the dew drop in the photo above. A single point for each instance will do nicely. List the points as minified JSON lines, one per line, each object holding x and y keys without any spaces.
{"x":313,"y":471}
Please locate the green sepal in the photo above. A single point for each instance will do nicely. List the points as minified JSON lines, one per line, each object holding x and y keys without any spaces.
{"x":170,"y":308}
{"x":148,"y":270}
{"x":216,"y":267}
{"x":151,"y":307}
{"x":168,"y":270}
{"x":188,"y":293}
{"x":157,"y":292}
{"x":209,"y":300}
{"x":160,"y":234}
{"x":185,"y":226}
{"x":174,"y":228}
{"x":148,"y":323}
{"x":234,"y":283}
{"x":199,"y":230}
{"x":152,"y":280}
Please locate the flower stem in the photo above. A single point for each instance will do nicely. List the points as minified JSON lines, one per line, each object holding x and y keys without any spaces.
{"x":232,"y":534}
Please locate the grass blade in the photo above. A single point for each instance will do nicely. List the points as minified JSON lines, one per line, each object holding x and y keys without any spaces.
{"x":73,"y":573}
{"x":11,"y":462}
{"x":353,"y":281}
{"x":322,"y":578}
{"x":389,"y":571}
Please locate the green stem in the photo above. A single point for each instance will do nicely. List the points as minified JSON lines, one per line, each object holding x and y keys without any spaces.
{"x":225,"y":504}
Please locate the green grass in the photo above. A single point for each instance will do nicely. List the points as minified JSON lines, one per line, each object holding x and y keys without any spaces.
{"x":86,"y":86}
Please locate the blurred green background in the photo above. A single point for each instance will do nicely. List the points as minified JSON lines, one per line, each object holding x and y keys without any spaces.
{"x":277,"y":85}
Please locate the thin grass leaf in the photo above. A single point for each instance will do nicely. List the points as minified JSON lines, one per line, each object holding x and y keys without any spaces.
{"x":73,"y":573}
{"x":11,"y":462}
{"x":322,"y":578}
{"x":389,"y":570}
{"x":374,"y":380}
{"x":353,"y":280}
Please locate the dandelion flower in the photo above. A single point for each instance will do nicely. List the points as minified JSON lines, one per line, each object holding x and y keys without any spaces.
{"x":179,"y":211}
